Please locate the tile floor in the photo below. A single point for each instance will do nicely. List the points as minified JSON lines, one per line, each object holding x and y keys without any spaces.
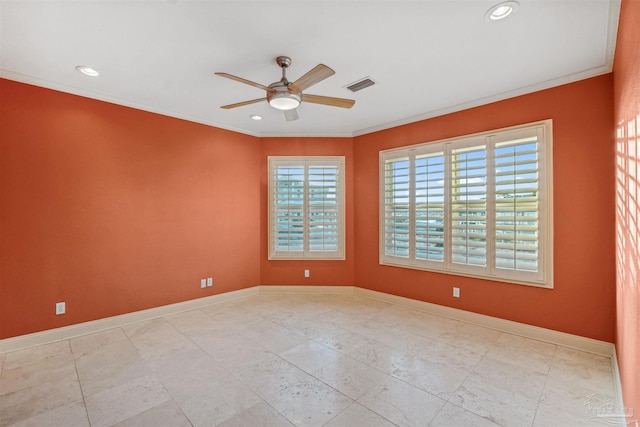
{"x":302,"y":360}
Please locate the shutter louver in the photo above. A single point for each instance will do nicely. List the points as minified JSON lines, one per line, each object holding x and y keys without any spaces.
{"x":517,"y":205}
{"x":429,"y":207}
{"x":289,"y":209}
{"x":469,"y":206}
{"x":323,"y":209}
{"x":396,"y":207}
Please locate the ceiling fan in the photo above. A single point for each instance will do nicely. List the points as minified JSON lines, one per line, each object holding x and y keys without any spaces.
{"x":286,"y":96}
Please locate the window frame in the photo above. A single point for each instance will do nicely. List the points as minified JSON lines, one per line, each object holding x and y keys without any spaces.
{"x":491,"y":271}
{"x":273,"y":162}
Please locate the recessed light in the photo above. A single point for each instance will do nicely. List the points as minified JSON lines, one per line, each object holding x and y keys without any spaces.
{"x":255,"y":117}
{"x":87,"y":71}
{"x":501,"y":10}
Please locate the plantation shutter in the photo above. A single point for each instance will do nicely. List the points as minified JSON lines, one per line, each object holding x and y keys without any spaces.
{"x":517,"y":203}
{"x":479,"y":205}
{"x":396,"y":207}
{"x":429,"y":206}
{"x":306,"y":214}
{"x":322,"y":205}
{"x":289,"y":208}
{"x":469,"y":206}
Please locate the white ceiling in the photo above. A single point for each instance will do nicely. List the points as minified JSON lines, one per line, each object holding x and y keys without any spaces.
{"x":426,"y":57}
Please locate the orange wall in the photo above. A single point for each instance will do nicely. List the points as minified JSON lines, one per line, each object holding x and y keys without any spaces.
{"x":330,"y":273}
{"x":626,"y":79}
{"x":114,"y":210}
{"x":583,"y":300}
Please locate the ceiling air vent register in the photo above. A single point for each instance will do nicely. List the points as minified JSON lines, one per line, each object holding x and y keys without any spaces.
{"x":360,"y":84}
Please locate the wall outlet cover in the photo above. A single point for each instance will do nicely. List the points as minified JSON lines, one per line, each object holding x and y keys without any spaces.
{"x":61,"y":308}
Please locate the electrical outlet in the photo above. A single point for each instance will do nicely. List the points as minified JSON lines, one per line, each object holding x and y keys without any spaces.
{"x":61,"y":308}
{"x":210,"y":281}
{"x":203,"y":283}
{"x":306,"y":273}
{"x":456,"y":292}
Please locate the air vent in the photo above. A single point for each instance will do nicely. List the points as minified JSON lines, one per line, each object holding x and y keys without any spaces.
{"x":360,"y":84}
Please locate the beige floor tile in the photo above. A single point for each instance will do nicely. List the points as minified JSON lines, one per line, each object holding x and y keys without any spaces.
{"x":428,"y":325}
{"x":220,"y":403}
{"x":192,"y":323}
{"x":453,"y":416}
{"x":189,"y":373}
{"x":432,"y":376}
{"x":517,"y":379}
{"x":72,"y":414}
{"x":235,"y":351}
{"x":271,"y":376}
{"x":380,"y":356}
{"x":29,"y":402}
{"x":261,"y":415}
{"x":166,"y":414}
{"x":471,"y":337}
{"x":110,"y":367}
{"x":343,"y":341}
{"x":98,"y":342}
{"x":36,"y":373}
{"x":358,"y":415}
{"x":282,"y":360}
{"x":38,"y":354}
{"x":316,"y":327}
{"x":156,"y":337}
{"x":309,"y":404}
{"x":551,"y":416}
{"x":274,"y":337}
{"x":350,"y":377}
{"x":401,"y":403}
{"x":569,"y":397}
{"x":525,"y":352}
{"x":310,"y":356}
{"x":582,"y":369}
{"x":502,"y":406}
{"x":113,"y":405}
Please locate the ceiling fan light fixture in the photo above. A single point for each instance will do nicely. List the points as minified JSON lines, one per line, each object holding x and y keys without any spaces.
{"x":501,"y":10}
{"x":284,"y":100}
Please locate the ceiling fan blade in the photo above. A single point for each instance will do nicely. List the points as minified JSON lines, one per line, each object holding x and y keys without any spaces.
{"x":243,"y":103}
{"x":245,"y":81}
{"x":291,"y":115}
{"x":327,"y":100}
{"x":315,"y":75}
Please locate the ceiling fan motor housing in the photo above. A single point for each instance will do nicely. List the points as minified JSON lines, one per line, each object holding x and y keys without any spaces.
{"x":282,"y":98}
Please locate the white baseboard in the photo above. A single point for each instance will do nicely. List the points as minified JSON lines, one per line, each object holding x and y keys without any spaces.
{"x":542,"y":334}
{"x":305,"y":290}
{"x":72,"y":331}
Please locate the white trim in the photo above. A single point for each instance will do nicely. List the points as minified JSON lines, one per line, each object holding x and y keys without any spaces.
{"x":487,"y":142}
{"x":560,"y":338}
{"x":72,"y":331}
{"x":617,"y":383}
{"x":306,"y":163}
{"x":528,"y":331}
{"x":305,"y":290}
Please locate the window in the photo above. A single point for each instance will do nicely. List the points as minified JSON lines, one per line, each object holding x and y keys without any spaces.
{"x":479,"y":205}
{"x":306,"y":207}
